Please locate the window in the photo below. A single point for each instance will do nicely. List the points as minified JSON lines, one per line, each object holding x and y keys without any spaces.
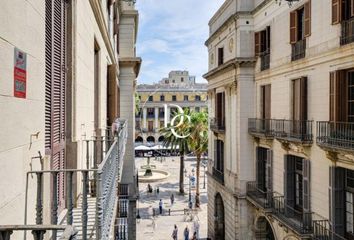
{"x":150,"y":112}
{"x":300,"y":28}
{"x":266,"y":101}
{"x":161,"y":112}
{"x":220,"y":56}
{"x":162,"y":124}
{"x":197,"y":109}
{"x":220,"y":109}
{"x":162,"y":98}
{"x":342,"y":96}
{"x":264,"y":169}
{"x":262,"y":47}
{"x":174,"y":98}
{"x":219,"y":155}
{"x":182,"y":79}
{"x":185,"y":98}
{"x":197,"y":98}
{"x":166,"y":81}
{"x":173,"y":111}
{"x":151,"y":98}
{"x":297,"y":185}
{"x":342,"y":10}
{"x":173,"y":81}
{"x":150,"y":126}
{"x":299,"y":99}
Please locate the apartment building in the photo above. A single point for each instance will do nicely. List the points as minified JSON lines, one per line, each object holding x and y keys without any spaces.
{"x":299,"y":162}
{"x":158,"y":100}
{"x":64,"y":64}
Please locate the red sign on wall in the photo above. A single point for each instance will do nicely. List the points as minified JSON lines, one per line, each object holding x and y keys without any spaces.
{"x":20,"y":74}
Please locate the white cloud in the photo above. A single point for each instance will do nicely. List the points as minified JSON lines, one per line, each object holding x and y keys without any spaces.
{"x":172,"y":36}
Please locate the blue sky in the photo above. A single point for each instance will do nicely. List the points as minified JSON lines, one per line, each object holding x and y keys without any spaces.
{"x":171,"y":37}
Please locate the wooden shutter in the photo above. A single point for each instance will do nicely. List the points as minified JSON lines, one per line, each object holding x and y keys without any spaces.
{"x":289,"y":182}
{"x":260,"y":169}
{"x":332,"y":79}
{"x":56,"y":89}
{"x":337,"y":199}
{"x":257,"y":43}
{"x":269,"y":170}
{"x":267,"y":101}
{"x":303,"y":98}
{"x":351,"y":8}
{"x":296,"y":104}
{"x":268,"y":38}
{"x":306,"y":173}
{"x":336,"y":11}
{"x":341,"y":100}
{"x":307,"y":20}
{"x":293,"y":27}
{"x":215,"y":154}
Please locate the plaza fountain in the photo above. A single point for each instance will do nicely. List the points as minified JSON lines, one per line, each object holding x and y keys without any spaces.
{"x":150,"y":173}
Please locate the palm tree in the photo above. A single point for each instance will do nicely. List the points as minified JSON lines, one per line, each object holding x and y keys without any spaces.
{"x":198,"y":142}
{"x":171,"y":140}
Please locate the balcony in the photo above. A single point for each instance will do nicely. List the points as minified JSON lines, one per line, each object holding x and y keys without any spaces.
{"x":298,"y":50}
{"x":259,"y":198}
{"x":336,"y":136}
{"x":322,"y":229}
{"x":92,"y":213}
{"x":298,"y":221}
{"x":347,"y":34}
{"x":297,"y":131}
{"x":265,"y":60}
{"x":217,"y":125}
{"x":262,"y":128}
{"x":218,"y":175}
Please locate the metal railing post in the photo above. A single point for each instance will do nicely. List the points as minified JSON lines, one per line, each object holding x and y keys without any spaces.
{"x":39,"y":205}
{"x":54,"y":216}
{"x":84,"y":217}
{"x":69,"y":194}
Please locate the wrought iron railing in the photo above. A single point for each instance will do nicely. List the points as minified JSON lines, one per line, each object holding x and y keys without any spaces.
{"x":298,"y":220}
{"x":294,"y":130}
{"x":218,"y":175}
{"x":261,"y":127}
{"x":347,"y":33}
{"x":38,"y":231}
{"x":217,"y":124}
{"x":263,"y":199}
{"x":106,"y":177}
{"x":337,"y":135}
{"x":265,"y":60}
{"x":322,"y":229}
{"x":298,"y":50}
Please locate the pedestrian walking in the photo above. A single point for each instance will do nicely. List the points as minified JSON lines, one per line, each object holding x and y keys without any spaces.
{"x":160,"y":206}
{"x":157,"y":190}
{"x":186,"y":233}
{"x":174,"y":233}
{"x":194,"y":236}
{"x":196,"y":228}
{"x":172,"y":199}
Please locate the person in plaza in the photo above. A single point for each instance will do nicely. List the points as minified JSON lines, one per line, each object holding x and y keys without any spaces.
{"x":172,"y":199}
{"x":157,"y":190}
{"x":160,"y":206}
{"x":194,"y":236}
{"x":196,"y":229}
{"x":174,"y":233}
{"x":190,"y":205}
{"x":186,"y":233}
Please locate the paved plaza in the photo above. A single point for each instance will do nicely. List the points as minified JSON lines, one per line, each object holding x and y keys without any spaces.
{"x":162,"y":226}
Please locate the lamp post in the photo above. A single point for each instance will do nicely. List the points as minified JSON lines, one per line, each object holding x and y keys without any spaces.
{"x":204,"y":166}
{"x":189,"y":184}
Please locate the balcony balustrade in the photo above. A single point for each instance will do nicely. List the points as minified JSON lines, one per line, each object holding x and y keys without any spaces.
{"x":336,"y":135}
{"x":217,"y":125}
{"x":94,"y":211}
{"x":347,"y":33}
{"x":293,"y":130}
{"x":322,"y":229}
{"x":265,"y":60}
{"x":298,"y":50}
{"x":218,"y":175}
{"x":299,"y":221}
{"x":261,"y":127}
{"x":262,"y":199}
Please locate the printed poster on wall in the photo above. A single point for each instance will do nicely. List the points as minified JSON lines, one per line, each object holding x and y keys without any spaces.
{"x":20,"y":74}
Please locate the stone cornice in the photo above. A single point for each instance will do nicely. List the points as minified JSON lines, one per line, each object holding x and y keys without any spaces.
{"x":134,"y":62}
{"x":97,"y":11}
{"x":236,"y":62}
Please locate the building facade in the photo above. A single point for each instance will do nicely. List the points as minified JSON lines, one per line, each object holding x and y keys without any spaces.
{"x":178,"y":89}
{"x":64,"y":66}
{"x":295,"y":164}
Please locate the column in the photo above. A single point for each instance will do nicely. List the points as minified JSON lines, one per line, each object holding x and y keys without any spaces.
{"x":144,"y":117}
{"x":156,"y":117}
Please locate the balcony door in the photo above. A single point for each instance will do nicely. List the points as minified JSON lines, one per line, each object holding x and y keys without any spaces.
{"x":55,"y":91}
{"x":266,"y":107}
{"x":220,"y":109}
{"x":299,"y":107}
{"x":264,"y":169}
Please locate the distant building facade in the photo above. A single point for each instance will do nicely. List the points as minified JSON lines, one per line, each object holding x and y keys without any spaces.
{"x":180,"y":89}
{"x":281,"y":129}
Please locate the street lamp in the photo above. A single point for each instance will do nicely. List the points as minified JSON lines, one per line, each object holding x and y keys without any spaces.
{"x":189,"y":184}
{"x":204,"y":166}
